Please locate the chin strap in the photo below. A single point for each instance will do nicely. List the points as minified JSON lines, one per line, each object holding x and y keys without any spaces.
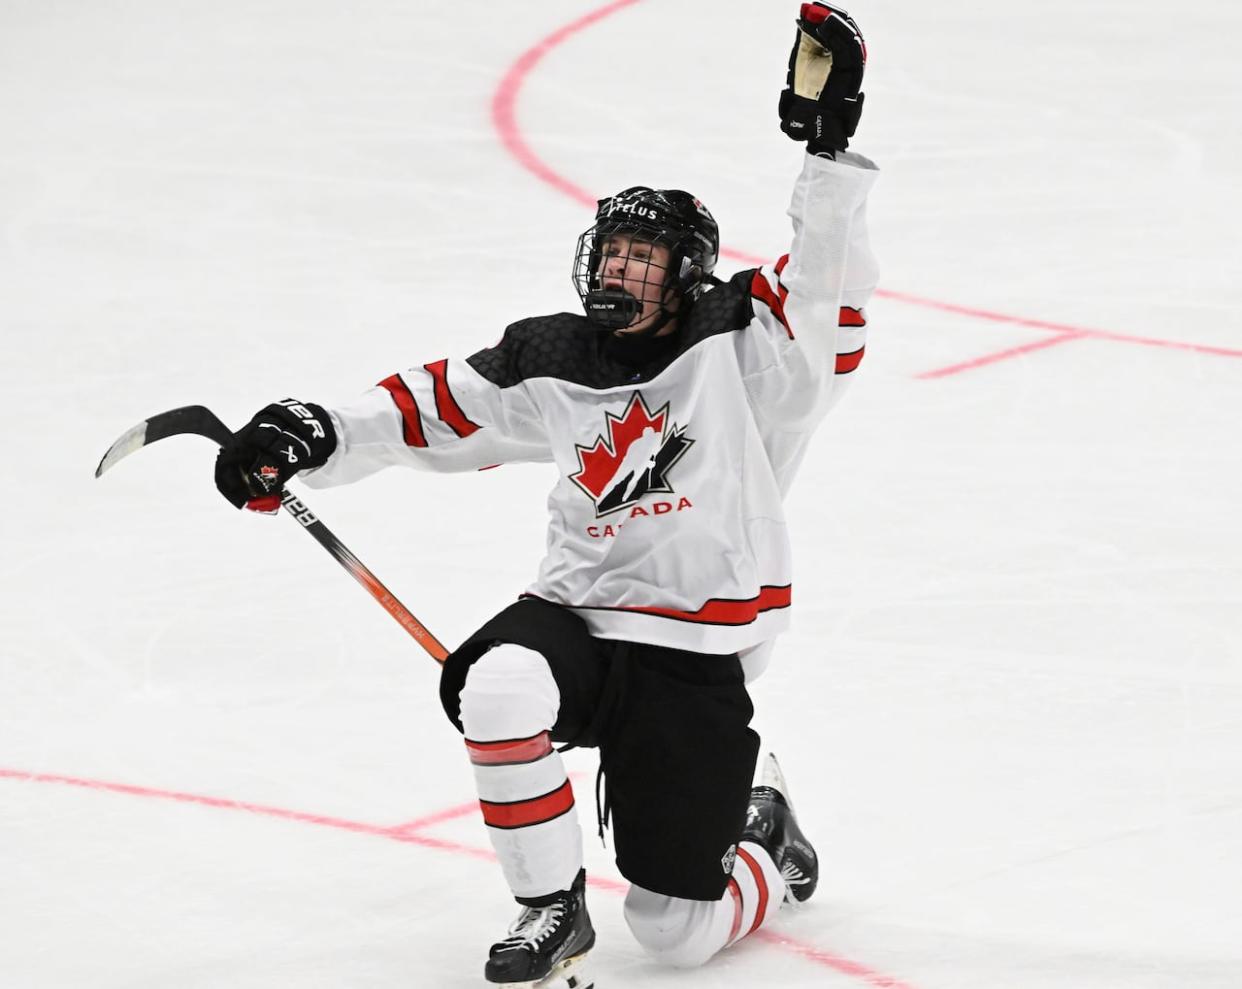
{"x":665,"y":317}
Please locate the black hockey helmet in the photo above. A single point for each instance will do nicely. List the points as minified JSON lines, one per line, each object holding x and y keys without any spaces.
{"x":669,"y":217}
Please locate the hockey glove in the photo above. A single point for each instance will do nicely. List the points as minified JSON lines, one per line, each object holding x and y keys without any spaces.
{"x":821,"y":103}
{"x":284,"y":438}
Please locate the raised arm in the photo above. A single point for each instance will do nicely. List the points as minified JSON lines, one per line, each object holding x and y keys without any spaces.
{"x":810,"y":324}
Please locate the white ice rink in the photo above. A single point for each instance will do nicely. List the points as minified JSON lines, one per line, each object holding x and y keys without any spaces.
{"x":1011,"y":706}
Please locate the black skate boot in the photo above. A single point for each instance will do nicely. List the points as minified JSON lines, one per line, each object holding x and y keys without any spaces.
{"x":770,"y":824}
{"x":545,"y":941}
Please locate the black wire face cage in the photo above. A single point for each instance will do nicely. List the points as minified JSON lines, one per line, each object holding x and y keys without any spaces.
{"x":617,"y":270}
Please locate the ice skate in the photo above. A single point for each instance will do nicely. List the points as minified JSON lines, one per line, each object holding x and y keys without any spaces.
{"x":546,"y":945}
{"x":771,"y":824}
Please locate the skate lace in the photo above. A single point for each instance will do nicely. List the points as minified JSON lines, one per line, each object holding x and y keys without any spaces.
{"x":534,"y":925}
{"x":792,"y":875}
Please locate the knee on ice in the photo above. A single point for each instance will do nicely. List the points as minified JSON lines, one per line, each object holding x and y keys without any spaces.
{"x":672,"y":931}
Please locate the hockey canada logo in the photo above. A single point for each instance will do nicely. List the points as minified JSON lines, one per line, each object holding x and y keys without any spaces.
{"x":631,"y":458}
{"x":268,"y":475}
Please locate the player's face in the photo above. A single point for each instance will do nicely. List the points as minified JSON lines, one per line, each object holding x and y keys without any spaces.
{"x":640,"y":268}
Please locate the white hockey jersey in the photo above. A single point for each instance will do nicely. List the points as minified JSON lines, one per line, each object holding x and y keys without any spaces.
{"x":674,"y":453}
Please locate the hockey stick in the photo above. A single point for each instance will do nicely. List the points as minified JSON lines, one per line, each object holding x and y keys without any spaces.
{"x":201,"y":421}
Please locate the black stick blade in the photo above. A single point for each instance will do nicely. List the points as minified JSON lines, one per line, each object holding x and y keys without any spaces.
{"x":195,"y":419}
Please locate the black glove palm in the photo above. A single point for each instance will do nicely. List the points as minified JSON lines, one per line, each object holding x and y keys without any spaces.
{"x":284,"y":438}
{"x":821,"y":103}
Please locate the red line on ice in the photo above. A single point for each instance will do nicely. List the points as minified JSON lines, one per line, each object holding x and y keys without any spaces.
{"x":504,"y":119}
{"x":408,"y":833}
{"x":504,"y":102}
{"x":439,"y":817}
{"x":1001,"y":355}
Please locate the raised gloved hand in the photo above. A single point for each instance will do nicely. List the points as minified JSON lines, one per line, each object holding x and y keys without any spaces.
{"x":284,"y":438}
{"x":821,"y":103}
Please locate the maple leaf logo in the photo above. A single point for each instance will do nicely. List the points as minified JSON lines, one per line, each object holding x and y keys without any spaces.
{"x":631,"y":458}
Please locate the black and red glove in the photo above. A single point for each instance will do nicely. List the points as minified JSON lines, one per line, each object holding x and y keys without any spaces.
{"x":284,"y":438}
{"x":821,"y":102}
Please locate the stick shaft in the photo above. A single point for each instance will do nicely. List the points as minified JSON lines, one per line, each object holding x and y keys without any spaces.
{"x":201,"y":421}
{"x":361,"y":573}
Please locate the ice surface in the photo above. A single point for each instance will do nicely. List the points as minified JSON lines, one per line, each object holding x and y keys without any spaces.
{"x":1010,"y":706}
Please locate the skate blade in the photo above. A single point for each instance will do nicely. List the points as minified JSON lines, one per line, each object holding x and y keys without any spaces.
{"x":567,"y":974}
{"x":771,"y":775}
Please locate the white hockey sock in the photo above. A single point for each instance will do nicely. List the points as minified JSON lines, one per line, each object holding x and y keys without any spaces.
{"x":508,"y":706}
{"x":686,"y":933}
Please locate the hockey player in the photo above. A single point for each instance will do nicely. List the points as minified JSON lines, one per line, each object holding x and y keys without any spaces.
{"x":676,"y":411}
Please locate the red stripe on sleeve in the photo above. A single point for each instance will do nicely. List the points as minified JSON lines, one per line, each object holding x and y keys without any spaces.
{"x":412,"y":422}
{"x":447,"y":408}
{"x":851,"y":317}
{"x":761,"y":290}
{"x":761,"y":884}
{"x":525,"y":813}
{"x":510,"y":752}
{"x":780,"y":286}
{"x":848,"y":362}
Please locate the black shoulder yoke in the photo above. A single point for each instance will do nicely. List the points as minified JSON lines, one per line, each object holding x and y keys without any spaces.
{"x":569,"y":347}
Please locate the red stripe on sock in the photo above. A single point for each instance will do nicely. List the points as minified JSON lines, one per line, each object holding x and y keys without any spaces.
{"x":736,"y":893}
{"x":761,"y":884}
{"x":447,"y":408}
{"x":526,"y":813}
{"x":511,"y":751}
{"x":411,"y":421}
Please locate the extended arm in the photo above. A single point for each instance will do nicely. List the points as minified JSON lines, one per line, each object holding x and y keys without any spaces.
{"x":442,"y":416}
